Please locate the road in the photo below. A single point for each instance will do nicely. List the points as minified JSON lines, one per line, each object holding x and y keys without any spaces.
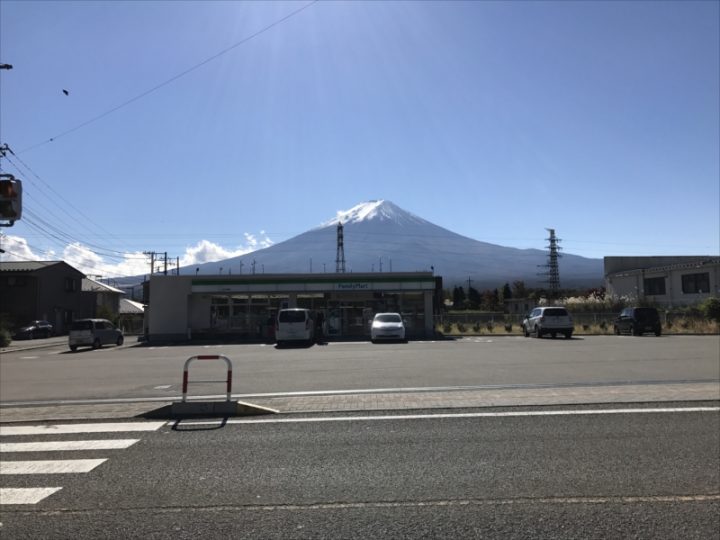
{"x":594,"y":472}
{"x":140,"y":371}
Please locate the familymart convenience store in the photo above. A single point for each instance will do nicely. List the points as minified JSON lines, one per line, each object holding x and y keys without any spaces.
{"x":245,"y":306}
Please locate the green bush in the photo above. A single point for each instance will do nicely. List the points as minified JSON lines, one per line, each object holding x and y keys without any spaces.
{"x":710,"y":309}
{"x":476,"y":327}
{"x":461,"y":327}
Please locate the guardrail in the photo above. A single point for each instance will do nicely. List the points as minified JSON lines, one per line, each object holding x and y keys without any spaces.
{"x":186,"y":378}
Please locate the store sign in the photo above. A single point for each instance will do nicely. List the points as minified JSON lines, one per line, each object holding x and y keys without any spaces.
{"x":352,"y":286}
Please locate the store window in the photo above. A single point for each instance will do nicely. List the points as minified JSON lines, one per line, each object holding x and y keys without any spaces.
{"x":696,"y":283}
{"x":654,"y":286}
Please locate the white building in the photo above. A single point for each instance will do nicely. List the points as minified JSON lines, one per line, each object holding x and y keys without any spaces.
{"x":666,"y":281}
{"x":245,"y":306}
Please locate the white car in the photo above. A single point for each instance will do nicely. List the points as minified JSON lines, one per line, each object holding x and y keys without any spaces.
{"x":294,"y":324}
{"x":551,"y":320}
{"x":93,"y":333}
{"x":387,"y":326}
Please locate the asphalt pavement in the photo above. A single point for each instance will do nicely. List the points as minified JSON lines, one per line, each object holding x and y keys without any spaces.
{"x":605,"y":472}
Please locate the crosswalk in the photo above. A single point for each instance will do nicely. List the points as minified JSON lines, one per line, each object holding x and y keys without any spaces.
{"x":16,"y":454}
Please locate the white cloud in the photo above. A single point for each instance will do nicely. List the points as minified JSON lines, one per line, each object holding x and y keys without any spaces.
{"x":17,"y":249}
{"x":206,"y":251}
{"x":132,"y":264}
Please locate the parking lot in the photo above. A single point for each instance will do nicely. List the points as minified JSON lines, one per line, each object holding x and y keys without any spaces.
{"x":138,"y":371}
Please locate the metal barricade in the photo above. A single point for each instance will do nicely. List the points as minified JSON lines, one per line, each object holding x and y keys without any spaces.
{"x":186,"y":380}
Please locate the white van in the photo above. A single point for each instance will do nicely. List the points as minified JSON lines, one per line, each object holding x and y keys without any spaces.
{"x":93,"y":333}
{"x":294,"y":324}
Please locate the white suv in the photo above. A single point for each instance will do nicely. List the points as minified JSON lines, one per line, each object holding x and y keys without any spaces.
{"x":551,"y":320}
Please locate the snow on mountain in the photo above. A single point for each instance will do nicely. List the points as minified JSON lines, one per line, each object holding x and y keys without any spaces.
{"x":374,"y":210}
{"x":381,"y":236}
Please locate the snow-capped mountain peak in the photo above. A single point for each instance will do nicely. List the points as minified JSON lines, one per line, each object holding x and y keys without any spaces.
{"x":379,"y":210}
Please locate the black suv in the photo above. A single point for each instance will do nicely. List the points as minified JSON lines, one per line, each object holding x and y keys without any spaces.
{"x":638,"y":321}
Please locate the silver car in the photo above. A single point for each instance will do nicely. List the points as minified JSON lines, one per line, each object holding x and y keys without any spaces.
{"x":94,"y":333}
{"x":551,"y":320}
{"x":388,"y":326}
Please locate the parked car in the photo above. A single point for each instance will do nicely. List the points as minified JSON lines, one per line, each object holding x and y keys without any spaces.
{"x":34,"y":329}
{"x":388,"y":326}
{"x":94,"y":333}
{"x":638,"y":321}
{"x":551,"y":320}
{"x":294,"y":324}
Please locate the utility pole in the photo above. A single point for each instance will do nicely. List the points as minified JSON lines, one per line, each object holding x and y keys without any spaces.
{"x":152,"y":260}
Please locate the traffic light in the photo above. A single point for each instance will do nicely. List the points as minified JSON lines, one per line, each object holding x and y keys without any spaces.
{"x":10,"y":198}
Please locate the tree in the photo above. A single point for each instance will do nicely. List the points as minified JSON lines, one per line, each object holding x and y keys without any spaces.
{"x":519,"y":290}
{"x":458,"y":297}
{"x":506,"y":292}
{"x":474,"y":298}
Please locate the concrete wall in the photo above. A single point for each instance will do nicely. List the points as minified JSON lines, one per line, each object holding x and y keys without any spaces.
{"x":167,"y":316}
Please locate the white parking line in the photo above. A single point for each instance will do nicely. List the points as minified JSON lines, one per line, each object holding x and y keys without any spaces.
{"x":25,"y":495}
{"x":60,"y":466}
{"x":579,"y":412}
{"x":58,"y":429}
{"x":61,"y":446}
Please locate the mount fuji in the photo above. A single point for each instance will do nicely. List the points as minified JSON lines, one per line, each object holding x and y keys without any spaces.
{"x":381,"y":236}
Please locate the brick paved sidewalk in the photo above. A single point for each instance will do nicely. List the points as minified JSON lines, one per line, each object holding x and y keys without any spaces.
{"x":396,"y":401}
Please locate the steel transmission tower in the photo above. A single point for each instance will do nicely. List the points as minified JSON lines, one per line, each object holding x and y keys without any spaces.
{"x":340,"y":258}
{"x":553,"y":271}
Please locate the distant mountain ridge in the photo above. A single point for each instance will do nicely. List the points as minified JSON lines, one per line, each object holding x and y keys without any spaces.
{"x":381,"y":236}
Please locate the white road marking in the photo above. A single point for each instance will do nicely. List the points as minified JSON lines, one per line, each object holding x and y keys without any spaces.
{"x":163,"y":387}
{"x":61,"y":446}
{"x":580,"y":412}
{"x":60,"y":466}
{"x":25,"y":495}
{"x":58,"y":429}
{"x":29,"y":357}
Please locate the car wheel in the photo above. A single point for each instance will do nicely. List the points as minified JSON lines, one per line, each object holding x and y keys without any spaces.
{"x":525,"y":331}
{"x":31,"y":335}
{"x":538,"y":332}
{"x":73,"y":348}
{"x":96,"y":344}
{"x":658,"y":332}
{"x":568,"y":335}
{"x":553,"y":335}
{"x":119,"y":341}
{"x":634,"y":331}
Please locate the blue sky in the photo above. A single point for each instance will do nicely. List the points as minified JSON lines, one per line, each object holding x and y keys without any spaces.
{"x":492,"y":119}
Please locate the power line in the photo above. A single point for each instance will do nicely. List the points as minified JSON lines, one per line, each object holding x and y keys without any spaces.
{"x":172,"y":79}
{"x":99,"y":250}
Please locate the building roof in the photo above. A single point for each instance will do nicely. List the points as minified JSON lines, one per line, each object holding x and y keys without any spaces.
{"x":690,"y":263}
{"x":90,"y":285}
{"x":28,"y":266}
{"x":130,"y":306}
